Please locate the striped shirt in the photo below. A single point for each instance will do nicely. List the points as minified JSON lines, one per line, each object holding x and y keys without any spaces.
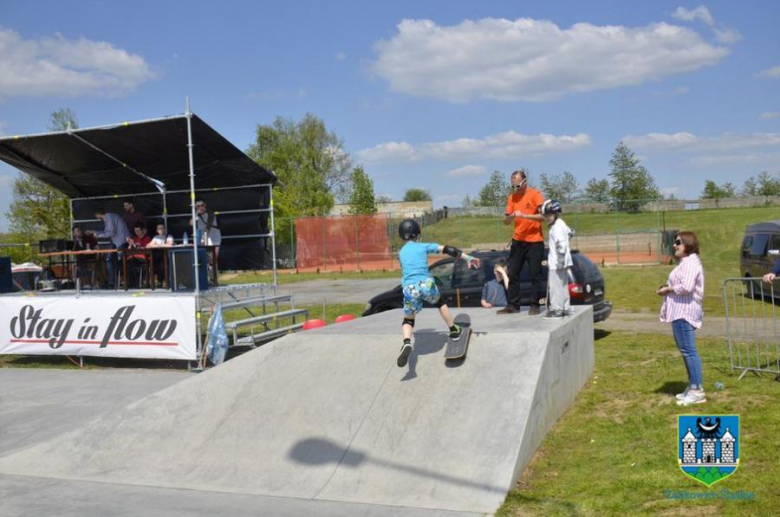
{"x":687,"y":280}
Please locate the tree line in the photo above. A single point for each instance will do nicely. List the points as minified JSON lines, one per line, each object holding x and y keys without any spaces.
{"x":315,"y":172}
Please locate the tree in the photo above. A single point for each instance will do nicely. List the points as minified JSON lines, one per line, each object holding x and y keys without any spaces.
{"x":632,"y":185}
{"x":494,"y":192}
{"x":361,"y":197}
{"x":310,"y":162}
{"x":467,"y":202}
{"x":764,"y":184}
{"x":562,"y":187}
{"x":714,"y":191}
{"x":417,"y":194}
{"x":384,"y":199}
{"x":38,"y":210}
{"x":597,"y":191}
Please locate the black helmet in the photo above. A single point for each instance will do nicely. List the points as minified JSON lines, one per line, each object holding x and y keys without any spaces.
{"x":550,"y":207}
{"x":408,"y":229}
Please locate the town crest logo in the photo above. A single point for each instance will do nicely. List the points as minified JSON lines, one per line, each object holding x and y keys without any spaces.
{"x":708,"y":446}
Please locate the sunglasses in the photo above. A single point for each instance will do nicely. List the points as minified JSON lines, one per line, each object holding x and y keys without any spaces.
{"x":519,"y":185}
{"x":199,"y":206}
{"x":678,"y":242}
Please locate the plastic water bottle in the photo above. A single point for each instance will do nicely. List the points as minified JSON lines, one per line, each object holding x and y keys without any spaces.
{"x":719,"y":385}
{"x":185,"y":238}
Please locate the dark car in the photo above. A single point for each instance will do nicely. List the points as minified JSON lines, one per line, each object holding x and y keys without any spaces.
{"x":462,"y":287}
{"x":760,"y":250}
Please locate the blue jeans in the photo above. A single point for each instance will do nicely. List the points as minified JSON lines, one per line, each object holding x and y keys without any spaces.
{"x":685,"y":337}
{"x":111,"y":263}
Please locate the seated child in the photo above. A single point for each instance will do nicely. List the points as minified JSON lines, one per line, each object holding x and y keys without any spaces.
{"x":494,"y":292}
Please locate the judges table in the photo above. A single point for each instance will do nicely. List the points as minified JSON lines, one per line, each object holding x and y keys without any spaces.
{"x":69,"y":261}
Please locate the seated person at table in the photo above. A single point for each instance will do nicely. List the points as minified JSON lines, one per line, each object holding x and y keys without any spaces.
{"x":162,"y":239}
{"x":494,"y":292}
{"x":82,"y":241}
{"x":137,"y":260}
{"x":85,"y":265}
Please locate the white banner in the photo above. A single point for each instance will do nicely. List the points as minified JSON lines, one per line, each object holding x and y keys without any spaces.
{"x":153,"y":327}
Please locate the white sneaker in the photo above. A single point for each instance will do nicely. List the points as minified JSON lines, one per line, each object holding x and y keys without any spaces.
{"x":682,"y":395}
{"x":692,"y":397}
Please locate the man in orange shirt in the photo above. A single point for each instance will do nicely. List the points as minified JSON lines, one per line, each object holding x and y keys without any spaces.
{"x":527,"y":242}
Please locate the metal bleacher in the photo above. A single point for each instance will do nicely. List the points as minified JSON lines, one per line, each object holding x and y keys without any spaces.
{"x":267,"y":318}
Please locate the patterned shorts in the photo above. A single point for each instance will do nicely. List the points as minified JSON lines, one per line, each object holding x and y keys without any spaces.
{"x":416,"y":294}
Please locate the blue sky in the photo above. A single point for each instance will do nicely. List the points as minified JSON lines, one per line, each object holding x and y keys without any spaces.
{"x":431,"y":94}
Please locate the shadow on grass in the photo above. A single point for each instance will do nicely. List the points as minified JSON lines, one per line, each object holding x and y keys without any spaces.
{"x":600,"y":334}
{"x":672,"y":387}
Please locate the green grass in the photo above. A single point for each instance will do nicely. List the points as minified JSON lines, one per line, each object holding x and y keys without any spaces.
{"x":614,"y":451}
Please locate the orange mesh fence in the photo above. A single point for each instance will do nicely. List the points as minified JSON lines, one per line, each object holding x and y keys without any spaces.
{"x":349,"y":242}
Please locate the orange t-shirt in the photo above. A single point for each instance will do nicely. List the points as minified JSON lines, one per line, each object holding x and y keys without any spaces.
{"x":525,"y":229}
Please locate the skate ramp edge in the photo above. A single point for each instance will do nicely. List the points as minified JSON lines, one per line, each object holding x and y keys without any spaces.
{"x":327,"y":415}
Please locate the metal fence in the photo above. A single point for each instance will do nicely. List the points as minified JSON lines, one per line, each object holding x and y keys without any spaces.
{"x":751,"y":325}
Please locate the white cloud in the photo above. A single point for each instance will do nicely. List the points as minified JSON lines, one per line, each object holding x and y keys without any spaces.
{"x":671,"y":191}
{"x":770,"y":73}
{"x":698,"y":13}
{"x":688,"y":142}
{"x":467,"y":170}
{"x":769,"y":115}
{"x":722,"y":34}
{"x":389,"y":152}
{"x":534,"y":60}
{"x":61,"y":67}
{"x":499,"y":146}
{"x":727,"y":36}
{"x":6,"y":180}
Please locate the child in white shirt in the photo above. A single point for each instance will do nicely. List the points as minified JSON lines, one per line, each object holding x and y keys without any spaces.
{"x":558,"y":260}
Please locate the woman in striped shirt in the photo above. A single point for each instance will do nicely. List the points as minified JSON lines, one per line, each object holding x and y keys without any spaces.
{"x":682,"y":307}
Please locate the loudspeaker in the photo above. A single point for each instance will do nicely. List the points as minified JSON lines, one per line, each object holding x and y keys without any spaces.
{"x":180,"y":264}
{"x":6,"y":277}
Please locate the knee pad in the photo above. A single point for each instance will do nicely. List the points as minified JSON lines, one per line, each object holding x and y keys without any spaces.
{"x":408,"y":321}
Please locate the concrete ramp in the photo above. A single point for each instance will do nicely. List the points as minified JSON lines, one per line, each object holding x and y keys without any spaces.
{"x":327,"y":415}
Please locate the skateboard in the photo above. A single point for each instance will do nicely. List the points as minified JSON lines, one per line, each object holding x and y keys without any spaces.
{"x":457,"y":349}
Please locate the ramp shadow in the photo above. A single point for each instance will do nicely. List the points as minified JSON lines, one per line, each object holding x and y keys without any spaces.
{"x":426,"y":342}
{"x":321,"y":451}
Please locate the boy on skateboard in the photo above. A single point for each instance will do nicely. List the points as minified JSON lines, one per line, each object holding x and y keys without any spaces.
{"x":419,"y":286}
{"x":558,"y":260}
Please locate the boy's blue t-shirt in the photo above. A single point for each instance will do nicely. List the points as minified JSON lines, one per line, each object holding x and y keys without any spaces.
{"x":414,"y":261}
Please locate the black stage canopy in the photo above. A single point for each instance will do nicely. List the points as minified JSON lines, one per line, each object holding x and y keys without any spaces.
{"x":128,"y":158}
{"x":149,"y":162}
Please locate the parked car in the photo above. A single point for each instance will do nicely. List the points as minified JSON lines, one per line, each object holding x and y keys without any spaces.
{"x":462,"y":287}
{"x":760,"y":249}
